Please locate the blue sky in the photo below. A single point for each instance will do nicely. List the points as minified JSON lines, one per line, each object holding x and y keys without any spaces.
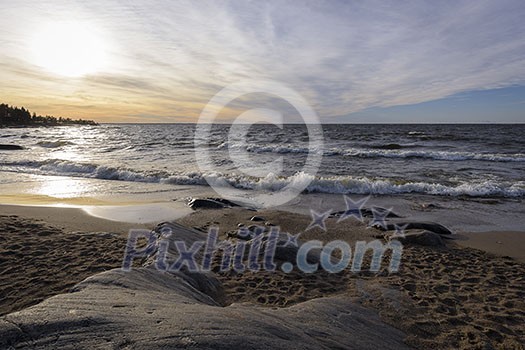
{"x":504,"y":105}
{"x":353,"y":61}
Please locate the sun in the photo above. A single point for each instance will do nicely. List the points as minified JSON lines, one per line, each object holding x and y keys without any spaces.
{"x":70,"y":49}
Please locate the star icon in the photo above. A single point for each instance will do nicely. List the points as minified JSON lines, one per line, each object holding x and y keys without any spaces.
{"x":399,"y":230}
{"x":353,"y":208}
{"x":380,"y":216}
{"x":318,"y":219}
{"x":291,"y":240}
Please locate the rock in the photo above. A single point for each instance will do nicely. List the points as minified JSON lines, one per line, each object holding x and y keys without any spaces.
{"x":226,"y":202}
{"x":146,"y":309}
{"x":11,"y":147}
{"x":198,"y":203}
{"x":252,"y":228}
{"x":426,"y":206}
{"x":388,"y":146}
{"x":367,"y":212}
{"x":257,"y":218}
{"x":240,"y":234}
{"x":430,"y":206}
{"x":428,"y":226}
{"x":211,"y":203}
{"x":425,"y":238}
{"x":268,"y":223}
{"x":231,"y":234}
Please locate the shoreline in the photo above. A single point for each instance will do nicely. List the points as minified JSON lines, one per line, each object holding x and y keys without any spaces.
{"x":502,"y":243}
{"x":69,"y":219}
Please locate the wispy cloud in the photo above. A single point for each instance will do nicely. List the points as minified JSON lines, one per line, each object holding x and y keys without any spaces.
{"x":170,"y":58}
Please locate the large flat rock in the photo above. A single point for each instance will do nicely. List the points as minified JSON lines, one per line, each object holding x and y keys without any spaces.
{"x":148,"y":309}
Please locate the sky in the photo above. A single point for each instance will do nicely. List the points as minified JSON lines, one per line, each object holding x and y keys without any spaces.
{"x":352,"y":61}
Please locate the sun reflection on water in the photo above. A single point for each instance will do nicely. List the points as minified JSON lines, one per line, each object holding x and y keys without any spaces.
{"x":63,"y":187}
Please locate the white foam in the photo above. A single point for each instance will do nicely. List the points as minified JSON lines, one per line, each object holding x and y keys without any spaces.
{"x":376,"y":153}
{"x":273,"y":183}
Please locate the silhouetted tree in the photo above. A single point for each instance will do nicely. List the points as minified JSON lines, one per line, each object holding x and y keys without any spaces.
{"x":14,"y":116}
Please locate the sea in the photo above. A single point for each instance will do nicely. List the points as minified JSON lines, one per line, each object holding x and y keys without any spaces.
{"x":437,"y":161}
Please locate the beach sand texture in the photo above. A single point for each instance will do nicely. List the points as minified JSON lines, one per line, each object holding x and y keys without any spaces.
{"x":442,"y":297}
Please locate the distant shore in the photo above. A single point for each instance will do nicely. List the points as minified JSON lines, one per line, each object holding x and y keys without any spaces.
{"x":11,"y":116}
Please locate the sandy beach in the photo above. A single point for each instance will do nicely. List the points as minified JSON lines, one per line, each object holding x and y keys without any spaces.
{"x":45,"y":251}
{"x":467,"y":294}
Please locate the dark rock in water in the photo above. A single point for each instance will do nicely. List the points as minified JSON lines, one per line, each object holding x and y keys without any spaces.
{"x":257,"y":218}
{"x":11,"y":147}
{"x":268,"y":223}
{"x":425,"y":238}
{"x":388,"y":146}
{"x":429,"y":226}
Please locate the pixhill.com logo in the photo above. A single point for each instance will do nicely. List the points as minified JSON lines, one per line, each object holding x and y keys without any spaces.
{"x":256,"y":249}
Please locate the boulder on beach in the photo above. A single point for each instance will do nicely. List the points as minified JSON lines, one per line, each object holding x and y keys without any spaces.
{"x":211,"y":203}
{"x":425,"y":238}
{"x":428,"y":226}
{"x":147,"y":309}
{"x":368,"y":212}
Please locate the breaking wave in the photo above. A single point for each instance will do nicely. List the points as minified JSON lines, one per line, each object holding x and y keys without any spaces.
{"x":334,"y":185}
{"x":385,"y":151}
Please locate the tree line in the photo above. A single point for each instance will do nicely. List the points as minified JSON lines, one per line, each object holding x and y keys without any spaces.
{"x":14,"y":116}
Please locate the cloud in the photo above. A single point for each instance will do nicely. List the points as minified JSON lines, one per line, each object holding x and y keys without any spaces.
{"x":342,"y":56}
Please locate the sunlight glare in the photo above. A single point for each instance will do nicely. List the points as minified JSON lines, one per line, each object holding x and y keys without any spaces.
{"x":71,"y":49}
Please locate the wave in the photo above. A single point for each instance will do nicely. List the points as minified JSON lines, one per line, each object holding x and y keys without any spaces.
{"x":382,"y":151}
{"x":438,"y":137}
{"x":333,"y":185}
{"x":53,"y":144}
{"x":282,"y":149}
{"x":64,"y":167}
{"x":393,"y":146}
{"x":364,"y":185}
{"x":436,"y":155}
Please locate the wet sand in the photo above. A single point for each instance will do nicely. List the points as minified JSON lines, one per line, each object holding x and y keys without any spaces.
{"x":505,"y":243}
